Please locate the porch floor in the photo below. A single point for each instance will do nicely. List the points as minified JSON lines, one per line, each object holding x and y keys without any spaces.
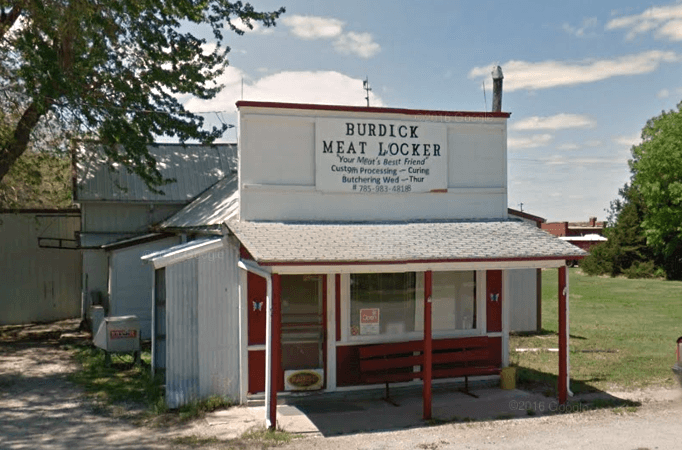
{"x":325,"y":414}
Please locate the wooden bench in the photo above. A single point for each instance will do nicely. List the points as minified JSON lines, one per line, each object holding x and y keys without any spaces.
{"x":404,"y":361}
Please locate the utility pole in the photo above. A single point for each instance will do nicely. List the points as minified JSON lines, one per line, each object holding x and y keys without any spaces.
{"x":365,"y":86}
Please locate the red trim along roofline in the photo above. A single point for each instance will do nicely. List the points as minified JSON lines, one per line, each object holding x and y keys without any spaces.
{"x":415,"y":261}
{"x":525,"y":215}
{"x":373,"y":109}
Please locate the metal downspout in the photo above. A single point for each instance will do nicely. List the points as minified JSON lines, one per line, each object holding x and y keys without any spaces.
{"x":270,"y":422}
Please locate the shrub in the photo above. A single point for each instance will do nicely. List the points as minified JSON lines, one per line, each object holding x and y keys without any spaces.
{"x":639,"y":269}
{"x":599,"y":261}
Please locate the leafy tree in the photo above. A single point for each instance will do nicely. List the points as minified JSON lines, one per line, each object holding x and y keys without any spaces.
{"x":657,"y":175}
{"x":626,"y":245}
{"x":112,"y":70}
{"x":37,"y":180}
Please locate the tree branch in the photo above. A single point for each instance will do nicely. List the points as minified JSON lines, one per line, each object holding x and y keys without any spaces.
{"x":17,"y":144}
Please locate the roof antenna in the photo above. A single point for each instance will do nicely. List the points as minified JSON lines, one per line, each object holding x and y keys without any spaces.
{"x":365,"y":86}
{"x":242,"y":88}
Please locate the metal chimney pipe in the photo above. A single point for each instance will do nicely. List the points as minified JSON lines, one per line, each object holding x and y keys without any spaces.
{"x":497,"y":88}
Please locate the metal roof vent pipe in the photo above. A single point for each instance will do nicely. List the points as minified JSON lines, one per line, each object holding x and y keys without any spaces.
{"x":497,"y":88}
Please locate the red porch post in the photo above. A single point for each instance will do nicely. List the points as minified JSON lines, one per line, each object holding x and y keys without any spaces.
{"x":563,"y":338}
{"x":276,"y":352}
{"x":426,"y":369}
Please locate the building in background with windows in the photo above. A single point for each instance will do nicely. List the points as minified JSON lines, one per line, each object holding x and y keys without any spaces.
{"x":359,"y":247}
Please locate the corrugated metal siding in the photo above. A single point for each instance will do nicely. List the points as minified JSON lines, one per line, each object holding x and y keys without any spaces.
{"x":124,"y":217}
{"x":523,"y":299}
{"x":202,"y":327}
{"x":217,"y":205}
{"x":38,"y":284}
{"x":219,"y":323}
{"x":130,"y":282}
{"x":182,"y":338}
{"x":195,"y":168}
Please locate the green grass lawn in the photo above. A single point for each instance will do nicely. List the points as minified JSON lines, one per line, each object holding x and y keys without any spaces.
{"x":623,"y":334}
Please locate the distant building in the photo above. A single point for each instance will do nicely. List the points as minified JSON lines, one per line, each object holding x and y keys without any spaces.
{"x":584,"y":235}
{"x":574,"y":228}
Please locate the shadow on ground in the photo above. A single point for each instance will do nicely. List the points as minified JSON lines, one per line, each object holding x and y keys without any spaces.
{"x":332,"y":415}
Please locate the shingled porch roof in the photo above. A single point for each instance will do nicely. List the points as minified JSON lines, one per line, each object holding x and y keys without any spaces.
{"x":272,"y":243}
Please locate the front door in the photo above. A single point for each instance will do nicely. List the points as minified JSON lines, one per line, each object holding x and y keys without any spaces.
{"x":302,"y":331}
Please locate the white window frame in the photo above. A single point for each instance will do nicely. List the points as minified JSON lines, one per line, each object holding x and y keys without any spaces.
{"x":347,"y":339}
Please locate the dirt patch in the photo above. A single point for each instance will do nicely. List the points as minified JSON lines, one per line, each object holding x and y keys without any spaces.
{"x":40,"y":408}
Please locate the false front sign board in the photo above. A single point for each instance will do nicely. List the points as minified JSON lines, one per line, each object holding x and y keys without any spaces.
{"x":380,"y":156}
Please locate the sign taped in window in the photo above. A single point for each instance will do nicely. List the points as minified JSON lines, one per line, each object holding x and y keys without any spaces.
{"x":369,"y":321}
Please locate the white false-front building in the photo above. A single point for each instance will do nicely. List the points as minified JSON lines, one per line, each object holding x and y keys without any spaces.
{"x":357,"y":247}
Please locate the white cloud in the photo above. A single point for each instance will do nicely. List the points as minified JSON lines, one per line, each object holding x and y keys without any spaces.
{"x":584,"y":30}
{"x":536,"y":140}
{"x":665,"y":21}
{"x":255,"y":26}
{"x":663,"y":93}
{"x":296,"y":87}
{"x":671,"y":30}
{"x":568,"y":146}
{"x":360,"y":44}
{"x":628,"y":140}
{"x":556,"y":122}
{"x":313,"y":27}
{"x":349,"y":43}
{"x":549,"y":74}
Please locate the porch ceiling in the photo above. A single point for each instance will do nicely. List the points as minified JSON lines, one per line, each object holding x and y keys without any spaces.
{"x":357,"y":243}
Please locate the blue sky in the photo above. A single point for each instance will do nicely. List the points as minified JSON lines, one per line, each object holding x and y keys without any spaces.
{"x":581,"y":78}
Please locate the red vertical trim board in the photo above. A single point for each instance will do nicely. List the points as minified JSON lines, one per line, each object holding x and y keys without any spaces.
{"x":324,"y":327}
{"x":563,"y":337}
{"x":428,"y":346}
{"x":276,"y":337}
{"x":337,"y":302}
{"x":256,"y":308}
{"x":494,"y":300}
{"x":256,"y":371}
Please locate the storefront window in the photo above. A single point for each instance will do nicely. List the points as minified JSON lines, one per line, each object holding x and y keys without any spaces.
{"x":454,"y":301}
{"x":382,"y":303}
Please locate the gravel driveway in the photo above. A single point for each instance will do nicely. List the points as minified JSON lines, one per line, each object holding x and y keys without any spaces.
{"x":41,"y":409}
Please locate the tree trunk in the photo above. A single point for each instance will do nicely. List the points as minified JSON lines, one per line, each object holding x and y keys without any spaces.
{"x":16,"y":146}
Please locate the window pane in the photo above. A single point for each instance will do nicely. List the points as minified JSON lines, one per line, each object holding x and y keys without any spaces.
{"x":454,"y":301}
{"x":382,"y":303}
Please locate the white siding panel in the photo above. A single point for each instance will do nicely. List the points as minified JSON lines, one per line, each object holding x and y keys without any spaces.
{"x":38,"y":284}
{"x":477,"y":155}
{"x":274,"y":205}
{"x":130,"y":282}
{"x":95,"y":277}
{"x":286,"y":151}
{"x":182,"y":328}
{"x":219,"y":323}
{"x":278,"y":182}
{"x":523,"y":299}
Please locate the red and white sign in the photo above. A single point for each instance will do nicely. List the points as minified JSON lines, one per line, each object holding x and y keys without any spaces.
{"x":369,"y":321}
{"x":122,"y":334}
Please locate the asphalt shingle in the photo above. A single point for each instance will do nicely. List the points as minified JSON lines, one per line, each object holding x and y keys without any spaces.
{"x":304,"y":242}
